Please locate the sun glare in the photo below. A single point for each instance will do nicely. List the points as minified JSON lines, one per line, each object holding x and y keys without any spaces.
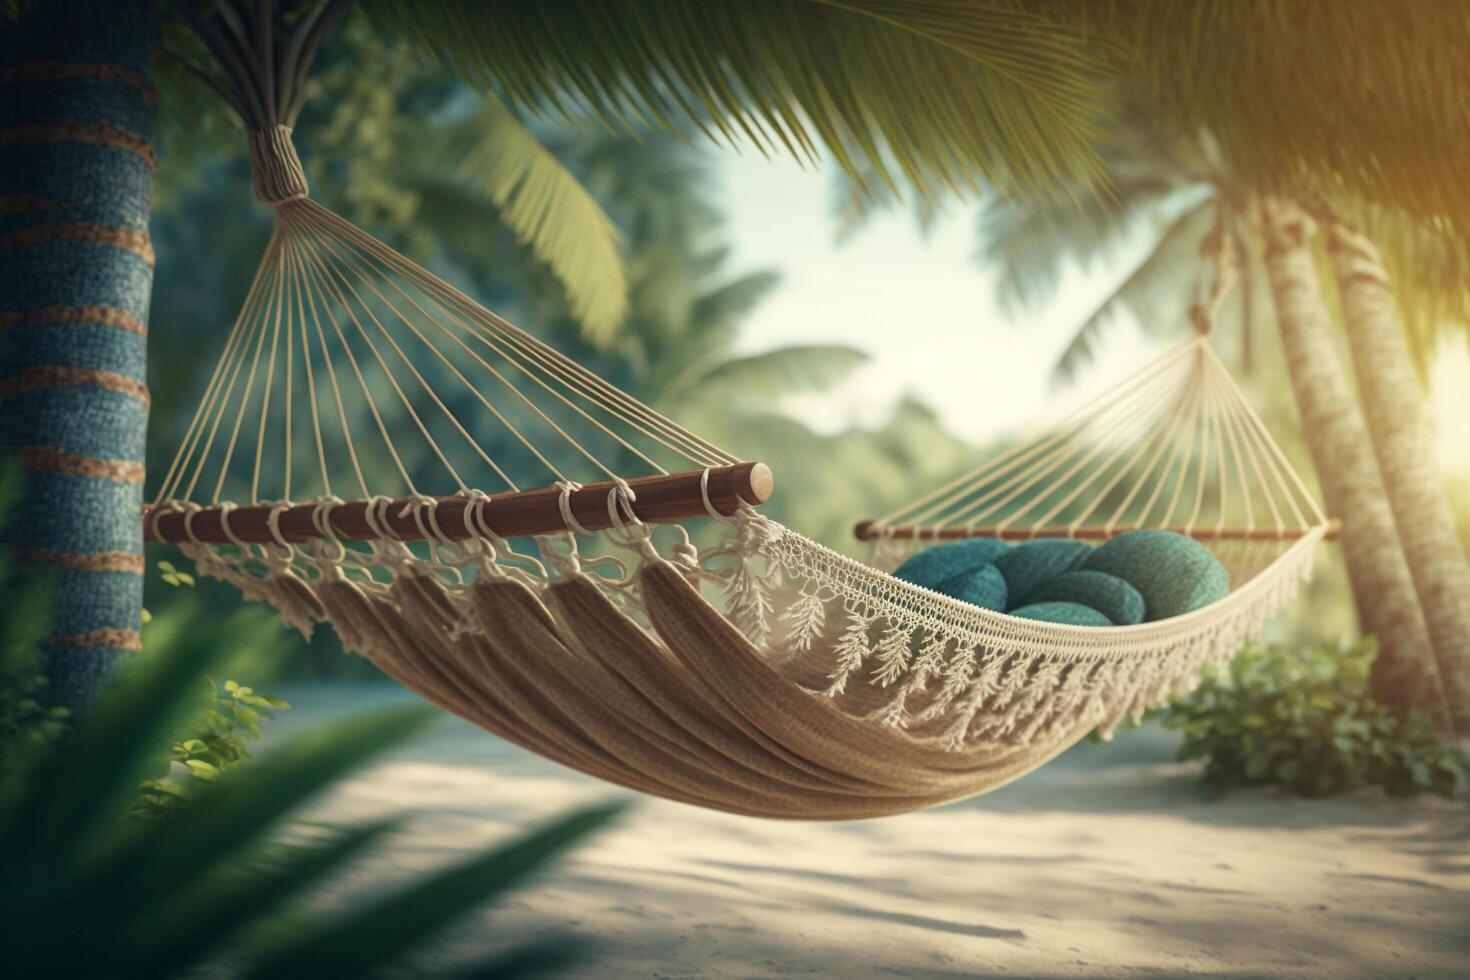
{"x":1449,"y":390}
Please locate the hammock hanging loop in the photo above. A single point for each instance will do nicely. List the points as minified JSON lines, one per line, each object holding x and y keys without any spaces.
{"x":334,"y":550}
{"x":279,"y":551}
{"x":1219,"y":250}
{"x":276,"y":172}
{"x":565,"y":489}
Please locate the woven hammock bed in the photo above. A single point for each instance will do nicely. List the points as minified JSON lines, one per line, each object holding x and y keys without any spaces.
{"x":757,"y":673}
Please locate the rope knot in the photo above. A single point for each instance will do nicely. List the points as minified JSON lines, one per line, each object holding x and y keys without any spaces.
{"x":1201,"y":319}
{"x":275,"y":168}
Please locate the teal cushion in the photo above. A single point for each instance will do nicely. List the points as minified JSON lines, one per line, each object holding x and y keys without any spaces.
{"x":1027,"y":566}
{"x":984,"y":587}
{"x":1108,"y":594}
{"x":1066,"y":613}
{"x":932,"y":566}
{"x":1174,"y":573}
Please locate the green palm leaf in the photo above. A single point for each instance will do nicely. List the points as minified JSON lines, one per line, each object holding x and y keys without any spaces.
{"x":781,"y":371}
{"x":1362,"y":99}
{"x":1030,"y":244}
{"x":248,"y":801}
{"x":83,"y":799}
{"x":1153,"y":292}
{"x":211,"y":911}
{"x":854,"y":203}
{"x":932,"y":92}
{"x":358,"y":942}
{"x":550,"y":212}
{"x":158,"y":899}
{"x":730,"y":301}
{"x":1031,"y":247}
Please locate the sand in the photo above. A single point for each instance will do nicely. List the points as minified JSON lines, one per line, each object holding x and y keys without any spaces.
{"x":1106,"y":863}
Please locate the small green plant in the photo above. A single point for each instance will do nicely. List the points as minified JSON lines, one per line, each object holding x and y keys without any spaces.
{"x":227,"y":723}
{"x":215,"y":743}
{"x":172,"y":576}
{"x":1301,"y":718}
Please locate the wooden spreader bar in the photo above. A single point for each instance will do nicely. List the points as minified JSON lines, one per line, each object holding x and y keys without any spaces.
{"x":872,"y":531}
{"x":661,"y":499}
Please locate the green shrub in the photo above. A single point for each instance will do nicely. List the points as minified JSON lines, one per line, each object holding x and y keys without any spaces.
{"x":1301,"y":718}
{"x":217,"y":741}
{"x":227,"y":723}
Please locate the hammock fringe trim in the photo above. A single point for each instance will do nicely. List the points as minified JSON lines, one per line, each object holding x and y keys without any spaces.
{"x":875,"y":647}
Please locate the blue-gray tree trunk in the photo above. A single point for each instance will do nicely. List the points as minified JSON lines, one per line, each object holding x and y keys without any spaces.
{"x":76,"y":268}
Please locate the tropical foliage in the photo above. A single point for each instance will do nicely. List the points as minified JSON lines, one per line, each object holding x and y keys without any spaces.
{"x":214,"y":884}
{"x":1301,"y":718}
{"x":1354,"y":104}
{"x":796,"y":76}
{"x":1169,"y":196}
{"x":782,"y":77}
{"x":215,"y":742}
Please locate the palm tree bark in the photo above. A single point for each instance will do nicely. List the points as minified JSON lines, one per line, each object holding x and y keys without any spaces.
{"x":1404,"y":673}
{"x":76,"y":269}
{"x":1403,"y":439}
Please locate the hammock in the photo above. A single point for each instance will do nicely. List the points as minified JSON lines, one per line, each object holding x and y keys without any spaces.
{"x":760,"y":674}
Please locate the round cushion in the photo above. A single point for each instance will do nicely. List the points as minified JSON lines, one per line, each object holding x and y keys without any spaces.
{"x":984,"y":587}
{"x":934,"y":565}
{"x":1174,"y":573}
{"x":1108,"y":594}
{"x":1065,"y":613}
{"x":1028,"y":565}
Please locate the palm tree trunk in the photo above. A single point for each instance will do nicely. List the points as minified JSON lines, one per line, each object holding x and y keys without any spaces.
{"x":1404,"y":673}
{"x":1403,"y":438}
{"x":76,"y":268}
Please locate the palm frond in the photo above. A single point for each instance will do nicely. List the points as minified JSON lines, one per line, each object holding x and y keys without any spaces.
{"x":1030,"y":244}
{"x":854,"y":202}
{"x":551,"y":213}
{"x":1155,"y":291}
{"x":1361,"y":99}
{"x":852,"y":206}
{"x":1030,"y":247}
{"x":936,"y":94}
{"x":781,"y":371}
{"x":357,"y":943}
{"x":723,"y":307}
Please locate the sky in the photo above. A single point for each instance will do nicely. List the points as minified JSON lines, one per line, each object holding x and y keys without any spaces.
{"x":918,"y":304}
{"x":924,"y":310}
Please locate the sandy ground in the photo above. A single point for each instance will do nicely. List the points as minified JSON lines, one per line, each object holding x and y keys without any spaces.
{"x":1103,"y":864}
